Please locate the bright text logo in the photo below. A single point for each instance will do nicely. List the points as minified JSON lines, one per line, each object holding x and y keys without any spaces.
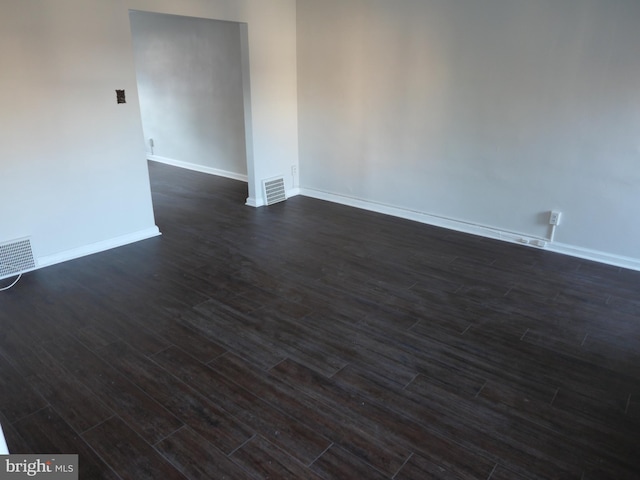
{"x":55,"y":467}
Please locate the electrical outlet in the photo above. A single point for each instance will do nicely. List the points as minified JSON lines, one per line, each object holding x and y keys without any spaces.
{"x":294,"y":170}
{"x":554,"y":218}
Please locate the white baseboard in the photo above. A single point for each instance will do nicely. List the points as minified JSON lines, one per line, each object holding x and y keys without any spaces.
{"x":4,"y":450}
{"x":96,"y":247}
{"x":595,"y":255}
{"x":474,"y":229}
{"x":259,"y":202}
{"x":198,"y":168}
{"x":254,"y":202}
{"x":292,"y":192}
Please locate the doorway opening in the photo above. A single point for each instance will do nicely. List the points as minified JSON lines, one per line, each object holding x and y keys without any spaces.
{"x":194,"y":91}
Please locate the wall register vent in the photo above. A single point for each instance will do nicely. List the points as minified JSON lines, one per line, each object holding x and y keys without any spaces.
{"x":16,"y":257}
{"x":274,"y":190}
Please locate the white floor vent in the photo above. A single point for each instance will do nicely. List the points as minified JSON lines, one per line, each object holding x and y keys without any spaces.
{"x":274,"y":190}
{"x":16,"y":257}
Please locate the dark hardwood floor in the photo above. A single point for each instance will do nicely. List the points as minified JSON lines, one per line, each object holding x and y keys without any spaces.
{"x":315,"y":341}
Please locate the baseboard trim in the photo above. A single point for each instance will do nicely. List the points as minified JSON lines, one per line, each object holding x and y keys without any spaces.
{"x":474,"y":229}
{"x":595,"y":256}
{"x":97,"y":247}
{"x":292,"y":192}
{"x":198,"y":168}
{"x":4,"y":449}
{"x":255,"y":202}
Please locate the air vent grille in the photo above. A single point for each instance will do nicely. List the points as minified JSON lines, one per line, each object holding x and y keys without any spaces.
{"x":16,"y":257}
{"x":274,"y":190}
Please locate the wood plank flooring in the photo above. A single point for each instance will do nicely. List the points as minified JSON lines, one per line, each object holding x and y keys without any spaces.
{"x":315,"y":341}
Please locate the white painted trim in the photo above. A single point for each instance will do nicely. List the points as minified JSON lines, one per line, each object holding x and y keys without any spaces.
{"x":97,"y":247}
{"x":474,"y":229}
{"x":595,"y":255}
{"x":292,"y":192}
{"x":254,"y":202}
{"x":4,"y":450}
{"x":422,"y":217}
{"x":198,"y":168}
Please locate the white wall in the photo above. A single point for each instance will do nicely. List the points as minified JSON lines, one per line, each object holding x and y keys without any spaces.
{"x":490,"y":112}
{"x":73,"y":174}
{"x":72,"y":170}
{"x":470,"y":112}
{"x":189,"y":74}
